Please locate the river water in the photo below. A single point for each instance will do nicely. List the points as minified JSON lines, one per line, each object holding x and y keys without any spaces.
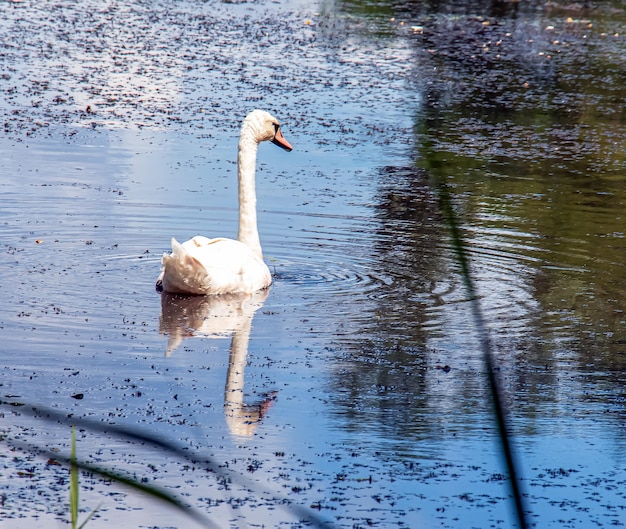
{"x":355,"y":387}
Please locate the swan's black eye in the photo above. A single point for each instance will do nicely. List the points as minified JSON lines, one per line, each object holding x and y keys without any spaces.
{"x":276,"y":127}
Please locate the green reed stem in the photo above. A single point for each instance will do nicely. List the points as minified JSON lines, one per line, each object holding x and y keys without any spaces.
{"x":445,"y":203}
{"x":73,"y":482}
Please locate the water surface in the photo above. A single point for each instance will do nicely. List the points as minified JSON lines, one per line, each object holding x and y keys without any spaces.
{"x":355,"y":387}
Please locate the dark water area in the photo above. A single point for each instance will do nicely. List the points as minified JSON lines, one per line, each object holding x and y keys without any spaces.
{"x":355,"y":387}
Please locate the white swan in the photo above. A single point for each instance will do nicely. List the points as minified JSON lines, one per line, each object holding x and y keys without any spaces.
{"x":225,"y":266}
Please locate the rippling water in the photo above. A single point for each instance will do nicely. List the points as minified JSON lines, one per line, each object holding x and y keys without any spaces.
{"x":355,"y":386}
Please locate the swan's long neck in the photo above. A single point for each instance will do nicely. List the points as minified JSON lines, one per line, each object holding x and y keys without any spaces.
{"x":246,"y":166}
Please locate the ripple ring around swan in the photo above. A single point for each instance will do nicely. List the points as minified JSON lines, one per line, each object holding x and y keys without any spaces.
{"x":338,"y":276}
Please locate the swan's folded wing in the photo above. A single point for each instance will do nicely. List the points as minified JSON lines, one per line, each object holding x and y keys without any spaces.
{"x":231,"y":266}
{"x":182,"y":272}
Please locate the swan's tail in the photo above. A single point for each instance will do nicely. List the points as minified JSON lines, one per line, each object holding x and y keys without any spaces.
{"x":181,"y":273}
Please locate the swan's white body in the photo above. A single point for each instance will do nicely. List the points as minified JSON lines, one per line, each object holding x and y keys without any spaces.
{"x":225,"y":266}
{"x":213,"y":266}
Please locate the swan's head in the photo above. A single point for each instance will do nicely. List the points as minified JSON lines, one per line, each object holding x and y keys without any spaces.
{"x":266,"y":128}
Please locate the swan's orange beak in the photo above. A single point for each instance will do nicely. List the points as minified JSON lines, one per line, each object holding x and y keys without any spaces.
{"x":280,"y":140}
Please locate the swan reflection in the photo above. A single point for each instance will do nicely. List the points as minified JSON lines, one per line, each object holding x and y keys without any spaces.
{"x":217,"y":317}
